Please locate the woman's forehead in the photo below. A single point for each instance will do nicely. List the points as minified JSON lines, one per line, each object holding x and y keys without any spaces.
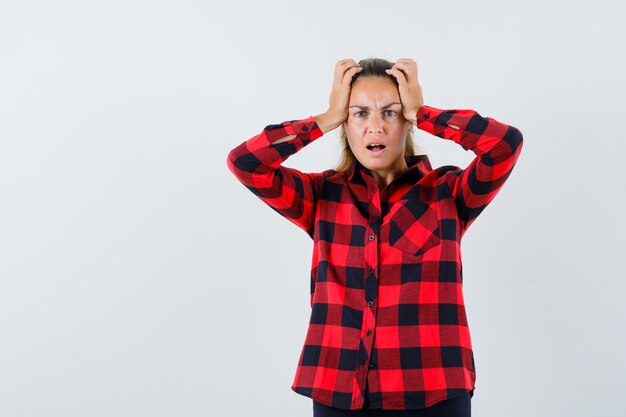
{"x":370,"y":90}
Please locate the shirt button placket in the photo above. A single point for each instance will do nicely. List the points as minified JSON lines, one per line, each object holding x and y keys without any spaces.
{"x":371,"y":281}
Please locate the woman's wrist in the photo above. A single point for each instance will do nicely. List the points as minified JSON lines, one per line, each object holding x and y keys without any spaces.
{"x":328,"y":121}
{"x":411,"y":115}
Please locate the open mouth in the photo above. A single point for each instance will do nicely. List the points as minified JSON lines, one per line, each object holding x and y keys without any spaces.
{"x":375,"y":147}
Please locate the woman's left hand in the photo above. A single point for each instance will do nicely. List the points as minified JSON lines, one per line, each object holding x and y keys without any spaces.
{"x":405,"y":71}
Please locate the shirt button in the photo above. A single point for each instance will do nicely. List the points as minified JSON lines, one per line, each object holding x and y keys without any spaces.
{"x":369,"y":332}
{"x":427,"y":116}
{"x":371,"y":270}
{"x":371,"y":237}
{"x":372,"y":364}
{"x":370,"y":303}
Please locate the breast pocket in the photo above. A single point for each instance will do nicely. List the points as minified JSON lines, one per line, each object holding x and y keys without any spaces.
{"x":413,"y":226}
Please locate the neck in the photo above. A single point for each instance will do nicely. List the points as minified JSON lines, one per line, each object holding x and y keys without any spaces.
{"x":384,"y":178}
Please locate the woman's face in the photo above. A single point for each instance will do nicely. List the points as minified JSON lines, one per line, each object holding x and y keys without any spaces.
{"x":375,"y":117}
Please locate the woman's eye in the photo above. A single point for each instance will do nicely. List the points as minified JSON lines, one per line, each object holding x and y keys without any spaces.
{"x":386,"y":113}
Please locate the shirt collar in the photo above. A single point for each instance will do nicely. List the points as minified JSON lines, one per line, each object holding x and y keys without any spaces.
{"x":419,"y":165}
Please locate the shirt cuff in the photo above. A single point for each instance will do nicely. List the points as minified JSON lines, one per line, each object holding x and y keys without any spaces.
{"x":304,"y":129}
{"x":423,"y":113}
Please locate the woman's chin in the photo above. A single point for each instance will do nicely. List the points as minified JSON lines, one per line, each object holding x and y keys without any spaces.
{"x":375,"y":164}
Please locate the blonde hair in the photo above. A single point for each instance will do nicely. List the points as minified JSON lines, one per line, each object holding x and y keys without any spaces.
{"x":372,"y":67}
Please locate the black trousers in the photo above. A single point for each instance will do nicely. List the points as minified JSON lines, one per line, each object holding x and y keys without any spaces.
{"x":454,"y":407}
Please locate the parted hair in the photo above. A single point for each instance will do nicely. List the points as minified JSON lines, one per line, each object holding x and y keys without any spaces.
{"x":372,"y":67}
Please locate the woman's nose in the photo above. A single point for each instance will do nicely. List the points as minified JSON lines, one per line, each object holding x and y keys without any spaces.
{"x":375,"y":124}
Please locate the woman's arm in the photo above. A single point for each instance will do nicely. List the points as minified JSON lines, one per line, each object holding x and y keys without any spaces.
{"x":256,"y":163}
{"x":325,"y":121}
{"x":497,"y":147}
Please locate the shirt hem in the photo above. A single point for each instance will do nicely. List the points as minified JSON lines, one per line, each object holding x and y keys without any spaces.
{"x":306,"y":392}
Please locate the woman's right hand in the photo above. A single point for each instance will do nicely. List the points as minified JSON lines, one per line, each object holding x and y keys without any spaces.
{"x":337,"y":112}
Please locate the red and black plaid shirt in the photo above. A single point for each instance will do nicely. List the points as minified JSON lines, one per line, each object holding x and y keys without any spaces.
{"x":387,"y":306}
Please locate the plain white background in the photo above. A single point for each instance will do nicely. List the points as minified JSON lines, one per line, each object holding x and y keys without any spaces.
{"x":138,"y":277}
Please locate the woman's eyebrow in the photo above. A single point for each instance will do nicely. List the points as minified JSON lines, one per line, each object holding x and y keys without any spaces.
{"x":386,"y":106}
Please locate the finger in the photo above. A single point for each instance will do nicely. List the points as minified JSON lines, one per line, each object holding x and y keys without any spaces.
{"x":341,"y":68}
{"x":398,"y":74}
{"x":407,"y":66}
{"x":347,"y":78}
{"x":345,"y":61}
{"x":406,"y":61}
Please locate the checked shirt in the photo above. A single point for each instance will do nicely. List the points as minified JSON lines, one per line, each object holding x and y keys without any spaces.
{"x":387,"y":306}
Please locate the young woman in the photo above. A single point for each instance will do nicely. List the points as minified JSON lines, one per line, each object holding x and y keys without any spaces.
{"x":388,"y":333}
